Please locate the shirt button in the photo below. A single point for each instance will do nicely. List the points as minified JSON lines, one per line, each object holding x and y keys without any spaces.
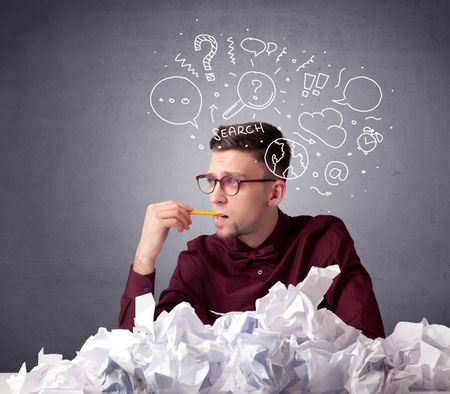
{"x":260,"y":272}
{"x":145,"y":289}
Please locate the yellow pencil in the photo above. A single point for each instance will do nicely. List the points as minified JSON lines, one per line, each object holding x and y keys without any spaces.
{"x":203,"y":213}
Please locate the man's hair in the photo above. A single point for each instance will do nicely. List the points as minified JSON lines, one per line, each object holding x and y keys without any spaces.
{"x":254,"y":137}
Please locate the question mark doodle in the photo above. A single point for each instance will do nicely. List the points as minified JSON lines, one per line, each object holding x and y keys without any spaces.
{"x":254,"y":83}
{"x":199,"y":40}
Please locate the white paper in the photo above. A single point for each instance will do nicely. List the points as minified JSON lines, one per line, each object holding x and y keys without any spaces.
{"x":284,"y":345}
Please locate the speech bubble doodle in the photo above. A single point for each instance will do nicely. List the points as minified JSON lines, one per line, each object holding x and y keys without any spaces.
{"x":255,"y":90}
{"x":326,"y":126}
{"x":336,"y":172}
{"x":176,"y":100}
{"x":253,"y":45}
{"x":361,"y":94}
{"x":275,"y":153}
{"x":271,"y":47}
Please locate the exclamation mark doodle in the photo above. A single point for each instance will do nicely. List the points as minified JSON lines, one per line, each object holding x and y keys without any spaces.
{"x":322,"y":80}
{"x":308,"y":83}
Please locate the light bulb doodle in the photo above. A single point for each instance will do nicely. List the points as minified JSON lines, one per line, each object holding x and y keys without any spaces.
{"x":255,"y":90}
{"x":198,"y":42}
{"x":368,"y":140}
{"x":183,"y":97}
{"x":326,"y":126}
{"x":361,"y":94}
{"x":276,"y":151}
{"x":336,"y":172}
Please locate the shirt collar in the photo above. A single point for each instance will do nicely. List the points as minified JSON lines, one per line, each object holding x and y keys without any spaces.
{"x":277,"y":238}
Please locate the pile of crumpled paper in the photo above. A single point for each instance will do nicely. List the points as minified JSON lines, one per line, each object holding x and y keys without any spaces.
{"x":286,"y":345}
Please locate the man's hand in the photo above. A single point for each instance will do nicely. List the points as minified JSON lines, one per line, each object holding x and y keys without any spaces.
{"x":159,"y":219}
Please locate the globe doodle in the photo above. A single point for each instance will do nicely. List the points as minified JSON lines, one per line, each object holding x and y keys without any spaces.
{"x":276,"y":151}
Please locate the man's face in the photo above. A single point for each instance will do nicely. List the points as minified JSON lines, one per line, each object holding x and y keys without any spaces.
{"x":246,"y":210}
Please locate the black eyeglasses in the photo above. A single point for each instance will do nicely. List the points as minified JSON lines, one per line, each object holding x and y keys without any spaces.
{"x":229,"y":185}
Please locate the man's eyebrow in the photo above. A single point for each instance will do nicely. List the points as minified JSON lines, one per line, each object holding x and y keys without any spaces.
{"x":235,"y":174}
{"x":228,"y":173}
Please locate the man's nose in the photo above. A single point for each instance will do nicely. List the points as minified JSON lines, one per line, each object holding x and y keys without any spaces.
{"x":218,"y":196}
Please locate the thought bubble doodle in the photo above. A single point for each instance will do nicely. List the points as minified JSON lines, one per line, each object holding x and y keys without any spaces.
{"x":176,"y":100}
{"x":326,"y":126}
{"x":276,"y":151}
{"x":362,"y":94}
{"x":336,"y":172}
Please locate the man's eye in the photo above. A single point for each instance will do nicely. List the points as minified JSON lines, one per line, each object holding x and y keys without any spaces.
{"x":232,"y":181}
{"x":210,"y":180}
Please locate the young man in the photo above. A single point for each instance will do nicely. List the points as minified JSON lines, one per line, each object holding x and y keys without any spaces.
{"x":255,"y":244}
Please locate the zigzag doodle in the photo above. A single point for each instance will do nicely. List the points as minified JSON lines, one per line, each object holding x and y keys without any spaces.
{"x":230,"y":52}
{"x":187,"y":65}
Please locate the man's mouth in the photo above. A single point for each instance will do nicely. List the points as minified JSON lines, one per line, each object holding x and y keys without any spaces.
{"x":220,"y":217}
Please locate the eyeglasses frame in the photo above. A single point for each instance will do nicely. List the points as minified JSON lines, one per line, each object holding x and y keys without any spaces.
{"x":239,"y":181}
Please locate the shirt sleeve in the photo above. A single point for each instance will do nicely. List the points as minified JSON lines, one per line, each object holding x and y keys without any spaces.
{"x":186,"y":285}
{"x":351,"y":295}
{"x":137,"y":285}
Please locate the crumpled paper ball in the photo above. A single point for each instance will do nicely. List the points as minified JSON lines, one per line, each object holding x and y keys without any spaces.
{"x":286,"y":345}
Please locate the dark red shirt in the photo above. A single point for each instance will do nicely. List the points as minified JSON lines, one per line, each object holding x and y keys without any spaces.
{"x":223,"y":276}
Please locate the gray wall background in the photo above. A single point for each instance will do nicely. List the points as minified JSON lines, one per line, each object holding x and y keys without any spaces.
{"x":82,"y":154}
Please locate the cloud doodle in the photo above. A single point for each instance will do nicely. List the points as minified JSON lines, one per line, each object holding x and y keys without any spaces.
{"x":325,"y":126}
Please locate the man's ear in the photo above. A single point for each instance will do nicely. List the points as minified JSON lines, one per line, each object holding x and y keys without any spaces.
{"x":277,"y":192}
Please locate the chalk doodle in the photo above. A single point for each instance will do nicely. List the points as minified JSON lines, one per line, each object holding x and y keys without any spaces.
{"x":276,"y":151}
{"x":271,"y":47}
{"x":326,"y":126}
{"x":325,"y":122}
{"x":361,"y":94}
{"x":198,"y":42}
{"x":309,"y":61}
{"x":321,"y":81}
{"x":187,"y":65}
{"x":185,"y":109}
{"x":368,"y":140}
{"x":231,"y":51}
{"x":326,"y":194}
{"x":255,"y":90}
{"x":212,"y":107}
{"x":257,"y":46}
{"x":310,"y":141}
{"x":336,"y":172}
{"x":339,"y":79}
{"x":283,"y":52}
{"x":308,"y":81}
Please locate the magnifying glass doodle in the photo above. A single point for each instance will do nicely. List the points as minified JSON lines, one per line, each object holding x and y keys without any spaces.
{"x":255,"y":90}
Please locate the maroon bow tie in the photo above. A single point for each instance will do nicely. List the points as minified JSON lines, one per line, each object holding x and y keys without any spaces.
{"x":267,"y":254}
